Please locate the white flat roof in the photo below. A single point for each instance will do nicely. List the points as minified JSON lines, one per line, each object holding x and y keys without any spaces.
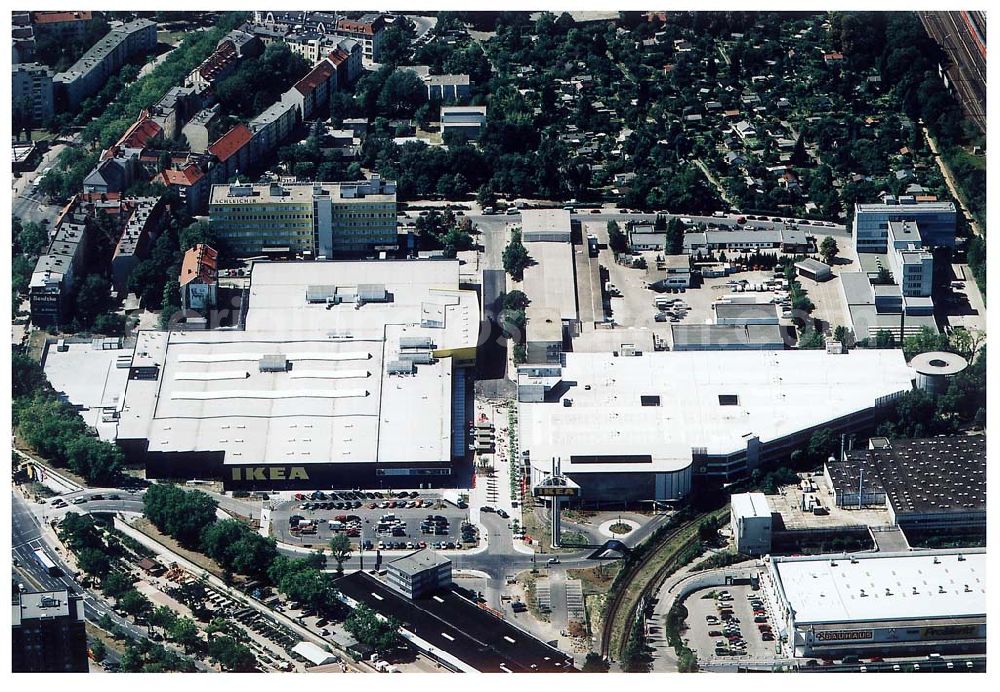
{"x":545,"y":220}
{"x":750,"y":505}
{"x":550,"y":281}
{"x":896,"y":586}
{"x":778,"y":393}
{"x":335,"y":403}
{"x":89,"y":379}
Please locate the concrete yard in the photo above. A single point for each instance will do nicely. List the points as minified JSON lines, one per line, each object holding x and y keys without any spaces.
{"x":787,"y":503}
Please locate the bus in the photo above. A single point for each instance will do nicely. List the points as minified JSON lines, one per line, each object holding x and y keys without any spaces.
{"x":46,"y":562}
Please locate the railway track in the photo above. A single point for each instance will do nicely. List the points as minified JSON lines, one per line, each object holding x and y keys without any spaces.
{"x":618,"y":602}
{"x":962,"y":35}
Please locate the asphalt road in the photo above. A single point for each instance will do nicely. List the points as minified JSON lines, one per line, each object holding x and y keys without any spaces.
{"x":26,"y":537}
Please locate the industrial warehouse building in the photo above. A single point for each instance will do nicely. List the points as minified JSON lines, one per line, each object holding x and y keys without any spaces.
{"x":347,"y":374}
{"x":888,"y":604}
{"x":935,"y":484}
{"x":635,"y":427}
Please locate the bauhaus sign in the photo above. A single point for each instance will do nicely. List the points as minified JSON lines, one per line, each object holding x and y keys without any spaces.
{"x":844,"y":635}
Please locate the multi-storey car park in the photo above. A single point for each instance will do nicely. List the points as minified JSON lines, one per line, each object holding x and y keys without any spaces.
{"x":347,"y":374}
{"x":634,"y":427}
{"x":886,"y":604}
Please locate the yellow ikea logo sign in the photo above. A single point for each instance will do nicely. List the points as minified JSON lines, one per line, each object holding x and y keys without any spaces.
{"x":270,"y":473}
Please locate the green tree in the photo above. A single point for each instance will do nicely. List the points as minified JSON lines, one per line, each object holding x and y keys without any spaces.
{"x":93,"y":297}
{"x":884,"y":339}
{"x":401,"y":95}
{"x":26,"y":375}
{"x":822,"y":445}
{"x":841,"y":334}
{"x":340,"y":550}
{"x":181,"y":514}
{"x":135,"y":604}
{"x":96,"y":460}
{"x":617,"y":240}
{"x":184,"y":631}
{"x":98,"y":650}
{"x":368,"y":628}
{"x":924,"y":341}
{"x":675,"y":237}
{"x":799,"y":157}
{"x":515,"y":257}
{"x":828,"y":249}
{"x":93,"y":561}
{"x":515,"y":300}
{"x":162,"y":617}
{"x":115,"y":584}
{"x":232,"y":655}
{"x":595,"y":663}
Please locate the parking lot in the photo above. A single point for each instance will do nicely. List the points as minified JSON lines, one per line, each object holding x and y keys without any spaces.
{"x":731,"y":623}
{"x":389,"y":522}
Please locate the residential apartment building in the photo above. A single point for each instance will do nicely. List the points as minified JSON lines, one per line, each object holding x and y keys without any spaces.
{"x":199,"y":278}
{"x":32,"y":92}
{"x":303,"y":28}
{"x":196,"y":131}
{"x":220,"y":64}
{"x":233,"y":152}
{"x":369,"y":30}
{"x":54,"y":277}
{"x":311,"y":94}
{"x":145,"y":218}
{"x":191,"y":185}
{"x":871,"y":222}
{"x":106,"y":57}
{"x":61,"y":26}
{"x":274,"y":125}
{"x":321,"y":219}
{"x":48,"y":633}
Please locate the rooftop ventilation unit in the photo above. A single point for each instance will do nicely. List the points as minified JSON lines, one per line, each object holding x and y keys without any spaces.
{"x":273,"y":363}
{"x":400,"y":367}
{"x":418,"y":357}
{"x":320,"y":294}
{"x":421,"y":342}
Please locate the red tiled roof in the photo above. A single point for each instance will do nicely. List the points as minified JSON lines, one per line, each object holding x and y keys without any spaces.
{"x":99,"y":196}
{"x":141,"y":132}
{"x":219,"y":60}
{"x":359,"y":27}
{"x":319,"y":74}
{"x":833,"y":56}
{"x":231,"y":142}
{"x":190,"y":175}
{"x":338,"y":57}
{"x":56,"y":17}
{"x":201,"y":261}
